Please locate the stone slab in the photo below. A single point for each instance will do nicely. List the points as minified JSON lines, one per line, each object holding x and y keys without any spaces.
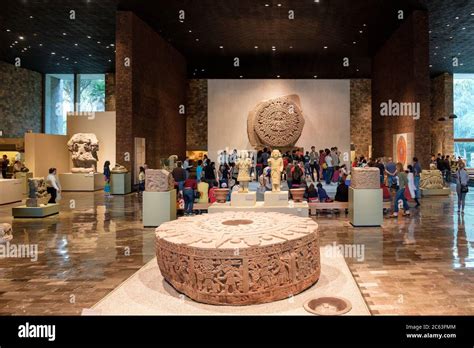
{"x":120,"y":183}
{"x":365,"y":207}
{"x":81,"y":182}
{"x":243,"y":199}
{"x":436,"y":192}
{"x":158,"y":207}
{"x":23,"y":211}
{"x":276,"y":199}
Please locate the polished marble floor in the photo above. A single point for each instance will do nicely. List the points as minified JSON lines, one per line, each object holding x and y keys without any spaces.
{"x":418,"y":265}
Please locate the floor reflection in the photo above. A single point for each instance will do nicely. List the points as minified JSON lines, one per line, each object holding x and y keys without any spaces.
{"x":418,"y":265}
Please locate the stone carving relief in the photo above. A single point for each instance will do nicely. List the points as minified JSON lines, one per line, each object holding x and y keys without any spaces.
{"x":239,"y":258}
{"x":6,"y":233}
{"x":119,"y":169}
{"x":83,"y":148}
{"x":276,"y":165}
{"x":158,"y":180}
{"x":431,"y":179}
{"x":37,"y":192}
{"x":365,"y":178}
{"x":276,"y":122}
{"x":244,"y":164}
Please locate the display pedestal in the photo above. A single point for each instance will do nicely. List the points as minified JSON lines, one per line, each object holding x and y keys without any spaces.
{"x":158,"y":207}
{"x":35,"y":212}
{"x":243,"y":199}
{"x":11,"y":190}
{"x":445,"y":191}
{"x":81,"y":181}
{"x":276,"y":199}
{"x":298,"y":209}
{"x":120,"y":183}
{"x":365,"y":207}
{"x":24,"y":176}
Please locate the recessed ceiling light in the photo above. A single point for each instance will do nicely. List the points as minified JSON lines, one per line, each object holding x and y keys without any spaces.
{"x":41,"y":44}
{"x":64,"y":34}
{"x":112,"y":45}
{"x":197,"y":39}
{"x":8,"y":30}
{"x":21,"y":37}
{"x":472,"y":14}
{"x":354,"y":42}
{"x":89,"y":37}
{"x":315,"y":76}
{"x":361,"y":31}
{"x":266,"y":5}
{"x":53,"y":53}
{"x":90,"y":55}
{"x":75,"y":44}
{"x":98,"y":42}
{"x":457,"y":18}
{"x":278,"y":76}
{"x":256,"y":46}
{"x":202,"y":70}
{"x":357,"y":70}
{"x":325,"y":47}
{"x":221,"y":47}
{"x":463,"y":28}
{"x":75,"y":62}
{"x":364,"y":25}
{"x":279,"y":5}
{"x":16,"y":42}
{"x":110,"y":60}
{"x":447,"y":25}
{"x":291,"y":46}
{"x":31,"y":17}
{"x":241,"y":76}
{"x":461,"y":64}
{"x":190,"y":31}
{"x":431,"y":66}
{"x":459,"y":53}
{"x":436,"y":47}
{"x":450,"y":37}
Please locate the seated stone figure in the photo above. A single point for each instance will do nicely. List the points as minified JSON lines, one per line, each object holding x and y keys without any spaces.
{"x":84,"y":147}
{"x":158,"y":180}
{"x":37,"y":192}
{"x":431,"y":179}
{"x":6,"y":233}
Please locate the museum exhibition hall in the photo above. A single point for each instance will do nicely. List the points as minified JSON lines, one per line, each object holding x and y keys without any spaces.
{"x":237,"y":157}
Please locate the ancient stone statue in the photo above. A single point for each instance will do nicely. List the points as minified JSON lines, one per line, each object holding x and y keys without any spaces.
{"x":276,"y":164}
{"x":431,"y":179}
{"x":244,"y":164}
{"x":37,"y":192}
{"x":119,"y":169}
{"x":158,"y":180}
{"x":84,"y":147}
{"x":276,"y":122}
{"x":172,"y":162}
{"x":6,"y":233}
{"x":278,"y":256}
{"x":365,"y":178}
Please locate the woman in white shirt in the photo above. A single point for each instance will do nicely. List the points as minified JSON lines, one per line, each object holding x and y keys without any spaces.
{"x":52,"y":185}
{"x":411,"y":184}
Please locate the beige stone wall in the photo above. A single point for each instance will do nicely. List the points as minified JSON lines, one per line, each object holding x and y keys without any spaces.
{"x":361,"y":116}
{"x":442,"y":105}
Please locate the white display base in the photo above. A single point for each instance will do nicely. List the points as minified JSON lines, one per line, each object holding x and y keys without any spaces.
{"x":11,"y":190}
{"x":81,"y":181}
{"x":158,"y":207}
{"x":120,"y":183}
{"x":436,"y":192}
{"x":243,"y":199}
{"x":35,"y":212}
{"x":276,"y":199}
{"x":24,"y":177}
{"x":298,"y":209}
{"x":365,"y":207}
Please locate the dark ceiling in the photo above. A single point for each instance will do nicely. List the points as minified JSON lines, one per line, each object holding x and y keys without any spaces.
{"x":214,"y":32}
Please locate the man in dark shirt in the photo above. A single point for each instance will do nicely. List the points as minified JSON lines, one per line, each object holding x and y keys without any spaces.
{"x":342,"y":192}
{"x":381,"y":167}
{"x":5,"y":163}
{"x":179,"y":175}
{"x":417,"y":174}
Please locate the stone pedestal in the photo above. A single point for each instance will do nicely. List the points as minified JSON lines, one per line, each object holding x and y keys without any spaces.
{"x":276,"y":199}
{"x":82,"y":181}
{"x":120,"y":183}
{"x":158,"y":207}
{"x":243,"y":199}
{"x":35,"y":212}
{"x":365,"y":207}
{"x":296,"y":209}
{"x":445,"y":191}
{"x":11,"y":190}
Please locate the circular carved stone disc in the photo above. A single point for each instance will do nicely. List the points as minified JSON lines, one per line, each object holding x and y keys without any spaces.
{"x":279,"y":122}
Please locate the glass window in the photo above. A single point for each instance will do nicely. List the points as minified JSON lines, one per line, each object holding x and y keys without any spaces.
{"x":464,"y":123}
{"x":59,"y":100}
{"x":91,"y":96}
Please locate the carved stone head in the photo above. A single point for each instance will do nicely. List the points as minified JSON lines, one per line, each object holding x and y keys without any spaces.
{"x":83,"y":148}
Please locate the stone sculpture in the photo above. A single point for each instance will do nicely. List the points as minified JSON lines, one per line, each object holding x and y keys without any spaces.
{"x":84,"y":147}
{"x":431,"y":179}
{"x":158,"y":180}
{"x":244,"y":164}
{"x":37,"y":192}
{"x":119,"y":169}
{"x":365,"y":178}
{"x":239,"y":258}
{"x":276,"y":164}
{"x":221,"y":194}
{"x":276,"y":122}
{"x":172,"y":162}
{"x":6,"y":233}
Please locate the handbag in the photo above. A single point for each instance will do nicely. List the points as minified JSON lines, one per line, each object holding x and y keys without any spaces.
{"x":464,"y":188}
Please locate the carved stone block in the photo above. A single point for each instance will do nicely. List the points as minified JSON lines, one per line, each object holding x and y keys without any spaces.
{"x":276,"y":122}
{"x":431,"y":179}
{"x":238,"y":258}
{"x":158,"y":180}
{"x":37,"y":192}
{"x":83,"y":148}
{"x":6,"y":233}
{"x":365,"y":178}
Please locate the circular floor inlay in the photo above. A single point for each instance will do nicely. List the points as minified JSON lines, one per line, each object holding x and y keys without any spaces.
{"x":328,"y":306}
{"x":237,"y":222}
